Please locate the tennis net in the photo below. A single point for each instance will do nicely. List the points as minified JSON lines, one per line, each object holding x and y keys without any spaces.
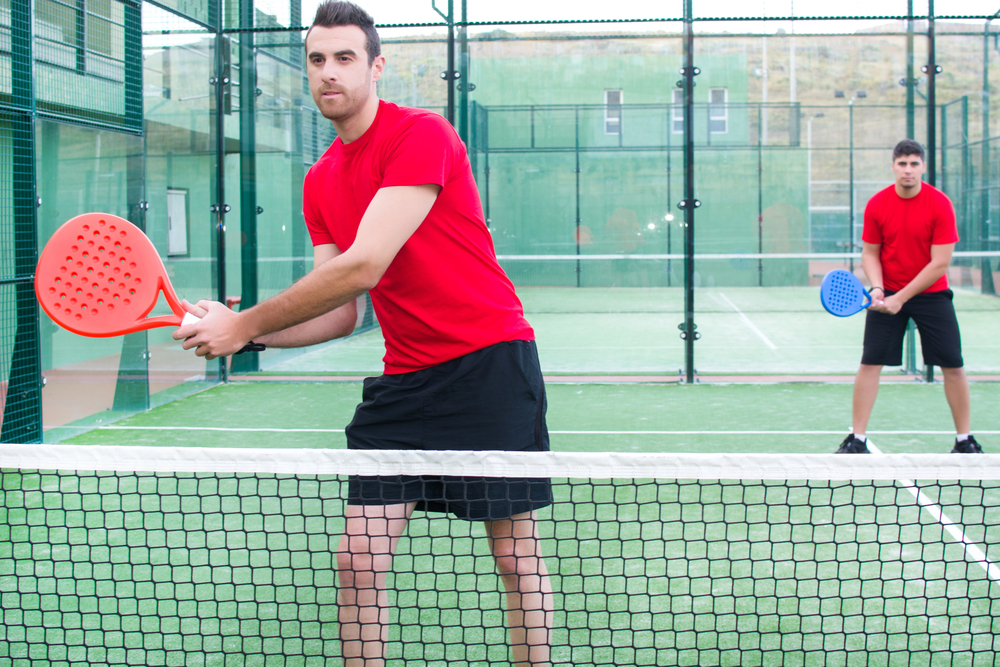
{"x":202,"y":556}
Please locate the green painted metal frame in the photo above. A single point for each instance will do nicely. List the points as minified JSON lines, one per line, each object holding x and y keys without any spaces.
{"x":23,"y":405}
{"x":132,"y":385}
{"x":248,"y":361}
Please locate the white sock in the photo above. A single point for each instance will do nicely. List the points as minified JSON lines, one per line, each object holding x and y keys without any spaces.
{"x":961,"y":437}
{"x":861,"y":436}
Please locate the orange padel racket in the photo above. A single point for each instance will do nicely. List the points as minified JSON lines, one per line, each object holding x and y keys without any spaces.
{"x":99,"y":276}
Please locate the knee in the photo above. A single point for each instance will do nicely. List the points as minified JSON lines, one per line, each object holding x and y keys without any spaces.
{"x":355,"y":563}
{"x":513,"y":561}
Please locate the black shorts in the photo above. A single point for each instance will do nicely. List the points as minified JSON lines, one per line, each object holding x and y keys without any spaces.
{"x":491,"y":399}
{"x":934,"y":315}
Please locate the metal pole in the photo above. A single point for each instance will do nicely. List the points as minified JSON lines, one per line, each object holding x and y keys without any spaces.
{"x":669,"y":218}
{"x":850,"y":176}
{"x":576,"y":171}
{"x":132,"y":385}
{"x":931,"y":69}
{"x":910,"y":81}
{"x":809,"y":178}
{"x":966,"y":181}
{"x":760,"y":207}
{"x":248,"y":361}
{"x":911,"y":132}
{"x":451,"y":62}
{"x":986,"y":270}
{"x":22,"y":410}
{"x":220,"y":81}
{"x":486,"y":160}
{"x":689,"y":203}
{"x":464,"y":87}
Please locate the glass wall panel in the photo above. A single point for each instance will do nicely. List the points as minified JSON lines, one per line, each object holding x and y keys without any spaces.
{"x":290,"y":136}
{"x":816,"y":116}
{"x":414,"y":61}
{"x":967,"y":172}
{"x":579,"y":167}
{"x":80,"y":170}
{"x":180,"y":170}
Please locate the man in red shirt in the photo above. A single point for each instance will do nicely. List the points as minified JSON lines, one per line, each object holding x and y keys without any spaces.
{"x":393,"y":210}
{"x":909,"y":235}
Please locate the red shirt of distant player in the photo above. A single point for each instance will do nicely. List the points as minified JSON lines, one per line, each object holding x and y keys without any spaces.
{"x":444,"y":295}
{"x":906,"y":230}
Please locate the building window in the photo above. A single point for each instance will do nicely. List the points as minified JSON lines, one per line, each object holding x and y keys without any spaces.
{"x":718,"y":110}
{"x":677,"y":114}
{"x":612,"y":112}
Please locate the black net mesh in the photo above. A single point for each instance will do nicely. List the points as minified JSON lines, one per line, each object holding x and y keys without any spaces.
{"x":123,"y":568}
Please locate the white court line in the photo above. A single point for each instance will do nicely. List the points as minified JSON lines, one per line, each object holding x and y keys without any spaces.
{"x":222,"y":428}
{"x":972,"y":549}
{"x":750,"y":324}
{"x":244,"y":429}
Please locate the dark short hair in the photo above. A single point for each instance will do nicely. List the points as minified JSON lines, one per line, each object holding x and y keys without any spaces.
{"x":908,"y":147}
{"x":339,"y":12}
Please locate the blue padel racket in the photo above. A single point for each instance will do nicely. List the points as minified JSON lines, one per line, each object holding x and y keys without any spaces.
{"x":842,"y":294}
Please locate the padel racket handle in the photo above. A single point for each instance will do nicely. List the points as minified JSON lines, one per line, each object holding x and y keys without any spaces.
{"x":249,"y":347}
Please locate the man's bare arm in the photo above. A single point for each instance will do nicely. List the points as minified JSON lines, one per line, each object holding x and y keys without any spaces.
{"x":871,"y":263}
{"x":337,"y":323}
{"x":392,"y":217}
{"x":934,"y":269}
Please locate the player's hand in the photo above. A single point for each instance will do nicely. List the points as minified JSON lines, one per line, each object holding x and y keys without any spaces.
{"x":891,"y":305}
{"x":878,"y":299}
{"x":217,"y":334}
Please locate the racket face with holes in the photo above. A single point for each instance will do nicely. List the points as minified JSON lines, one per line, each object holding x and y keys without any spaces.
{"x":842,"y":294}
{"x":99,"y":276}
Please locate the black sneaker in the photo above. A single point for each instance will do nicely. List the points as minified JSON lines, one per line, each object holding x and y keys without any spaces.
{"x":968,"y":446}
{"x":852,"y":445}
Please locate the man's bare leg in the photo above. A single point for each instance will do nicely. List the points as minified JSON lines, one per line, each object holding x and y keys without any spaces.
{"x":363,"y":559}
{"x":518,"y":552}
{"x":956,"y":390}
{"x":865,"y":393}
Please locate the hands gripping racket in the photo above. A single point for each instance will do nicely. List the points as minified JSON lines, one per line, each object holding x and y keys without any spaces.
{"x":842,"y":294}
{"x":99,"y":276}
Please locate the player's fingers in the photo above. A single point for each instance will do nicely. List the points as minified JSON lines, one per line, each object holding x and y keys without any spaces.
{"x":207,"y":305}
{"x":196,"y":310}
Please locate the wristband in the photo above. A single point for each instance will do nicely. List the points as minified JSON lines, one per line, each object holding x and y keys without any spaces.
{"x":875,"y":287}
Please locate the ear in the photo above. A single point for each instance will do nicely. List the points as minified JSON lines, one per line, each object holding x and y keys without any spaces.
{"x":378,"y":66}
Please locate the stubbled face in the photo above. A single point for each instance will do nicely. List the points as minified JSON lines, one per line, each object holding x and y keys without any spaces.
{"x":340,"y":78}
{"x":908,"y":169}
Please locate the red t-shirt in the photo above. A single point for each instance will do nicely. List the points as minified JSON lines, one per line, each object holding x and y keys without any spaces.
{"x":906,"y":229}
{"x":444,"y":295}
